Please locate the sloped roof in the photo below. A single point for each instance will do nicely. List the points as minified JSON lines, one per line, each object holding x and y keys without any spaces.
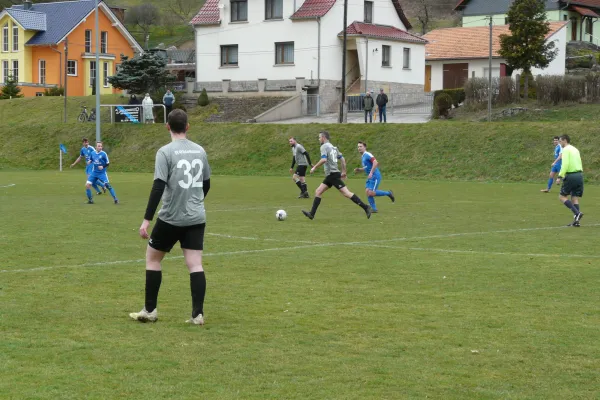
{"x":470,"y":42}
{"x":208,"y":15}
{"x":30,"y":20}
{"x":313,"y":9}
{"x":61,"y":18}
{"x":585,"y":12}
{"x":589,"y":3}
{"x":381,"y":32}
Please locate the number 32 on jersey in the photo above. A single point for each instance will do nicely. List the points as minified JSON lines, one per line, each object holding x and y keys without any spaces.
{"x":188,"y":168}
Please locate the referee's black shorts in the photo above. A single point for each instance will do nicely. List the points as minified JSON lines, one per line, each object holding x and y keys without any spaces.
{"x":572,"y":185}
{"x":334,"y":179}
{"x":164,"y":236}
{"x":301,"y":170}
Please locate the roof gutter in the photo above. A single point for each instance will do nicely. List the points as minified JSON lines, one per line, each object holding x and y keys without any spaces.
{"x":59,"y":64}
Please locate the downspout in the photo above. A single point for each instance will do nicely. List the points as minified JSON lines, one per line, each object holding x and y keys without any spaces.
{"x":367,"y":68}
{"x":319,"y":54}
{"x":59,"y":65}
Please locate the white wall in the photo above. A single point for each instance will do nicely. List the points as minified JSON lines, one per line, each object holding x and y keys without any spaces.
{"x":256,"y":42}
{"x":415,"y":74}
{"x":557,"y":66}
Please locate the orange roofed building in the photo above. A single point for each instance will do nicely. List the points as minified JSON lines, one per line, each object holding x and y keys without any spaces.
{"x":34,"y":38}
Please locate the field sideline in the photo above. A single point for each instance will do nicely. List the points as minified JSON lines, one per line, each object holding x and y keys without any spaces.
{"x":457,"y":291}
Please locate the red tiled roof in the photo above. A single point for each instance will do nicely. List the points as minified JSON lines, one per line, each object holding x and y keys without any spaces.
{"x":470,"y":42}
{"x":587,"y":3}
{"x":586,"y":12}
{"x":382,"y":32}
{"x":313,"y":9}
{"x":208,"y":15}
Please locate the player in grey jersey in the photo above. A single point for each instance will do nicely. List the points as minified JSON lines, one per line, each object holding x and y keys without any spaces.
{"x":330,"y":156}
{"x":182,"y":180}
{"x":299,"y":156}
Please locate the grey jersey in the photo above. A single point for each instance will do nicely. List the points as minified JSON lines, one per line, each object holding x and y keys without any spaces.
{"x":298,"y":152}
{"x":183,"y":165}
{"x":332,"y":154}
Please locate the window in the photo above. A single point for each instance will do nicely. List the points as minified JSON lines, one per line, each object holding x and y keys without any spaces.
{"x":15,"y":38}
{"x":229,"y":55}
{"x":284,"y":53}
{"x":5,"y":37}
{"x":104,"y":42}
{"x":369,"y":12}
{"x":105,"y":72}
{"x":505,"y":20}
{"x":39,"y":94}
{"x":92,"y":73}
{"x":239,"y":10}
{"x":5,"y":71}
{"x":15,"y":70}
{"x":88,"y":41}
{"x":72,"y":67}
{"x":42,"y":72}
{"x":406,"y":58}
{"x":386,"y":56}
{"x":273,"y":9}
{"x":565,"y":17}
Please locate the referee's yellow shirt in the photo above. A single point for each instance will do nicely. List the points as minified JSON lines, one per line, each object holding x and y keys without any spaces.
{"x":571,"y":161}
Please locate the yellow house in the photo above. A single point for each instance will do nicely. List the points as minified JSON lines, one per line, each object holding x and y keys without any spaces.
{"x":44,"y":45}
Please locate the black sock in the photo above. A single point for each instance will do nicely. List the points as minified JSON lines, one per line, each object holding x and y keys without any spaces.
{"x":299,"y":184}
{"x":153,"y":280}
{"x":315,"y":205}
{"x":571,"y":207}
{"x":304,"y":188}
{"x":576,"y":206}
{"x":198,"y":287}
{"x":359,"y":202}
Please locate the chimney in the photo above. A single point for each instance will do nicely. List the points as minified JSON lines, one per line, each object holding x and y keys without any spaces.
{"x":27,"y":4}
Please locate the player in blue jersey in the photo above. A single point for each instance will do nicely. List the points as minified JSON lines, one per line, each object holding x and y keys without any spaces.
{"x":99,"y":161}
{"x":370,"y":167}
{"x":85,"y":153}
{"x":555,"y":165}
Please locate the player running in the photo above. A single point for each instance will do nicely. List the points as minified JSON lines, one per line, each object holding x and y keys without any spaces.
{"x":99,"y":161}
{"x":85,"y":152}
{"x":333,"y":177}
{"x":555,"y":169}
{"x":299,"y":156}
{"x":370,"y":167}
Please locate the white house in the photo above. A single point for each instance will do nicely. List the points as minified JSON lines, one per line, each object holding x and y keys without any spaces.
{"x":275,"y":45}
{"x":455,"y":54}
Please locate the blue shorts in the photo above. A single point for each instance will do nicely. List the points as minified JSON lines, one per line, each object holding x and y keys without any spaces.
{"x":89,"y":169}
{"x":373,"y":183}
{"x":97,"y":176}
{"x":556,"y":168}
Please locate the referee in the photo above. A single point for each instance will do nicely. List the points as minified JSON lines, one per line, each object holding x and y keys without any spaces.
{"x":182,"y":181}
{"x":571,"y":173}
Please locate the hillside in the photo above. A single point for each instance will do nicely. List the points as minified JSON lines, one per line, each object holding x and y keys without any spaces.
{"x":501,"y":151}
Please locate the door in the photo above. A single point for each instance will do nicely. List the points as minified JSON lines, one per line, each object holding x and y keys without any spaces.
{"x":573,"y":29}
{"x":455,"y":75}
{"x":428,"y":78}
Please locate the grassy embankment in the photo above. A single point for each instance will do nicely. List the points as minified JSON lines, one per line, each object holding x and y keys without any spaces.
{"x":502,"y":151}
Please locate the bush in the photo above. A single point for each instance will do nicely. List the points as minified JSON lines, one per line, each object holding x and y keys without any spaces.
{"x":504,"y":91}
{"x":443,"y":104}
{"x":593,"y":86}
{"x":458,"y":95}
{"x":560,"y":89}
{"x":55,"y":91}
{"x":203,"y":100}
{"x":531,"y":87}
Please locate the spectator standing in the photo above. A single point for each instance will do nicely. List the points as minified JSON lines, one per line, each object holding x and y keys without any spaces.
{"x":147,"y":105}
{"x":368,"y":104}
{"x":168,"y":101}
{"x":382,"y":101}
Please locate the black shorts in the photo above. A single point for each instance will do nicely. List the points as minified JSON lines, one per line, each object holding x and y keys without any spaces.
{"x":334,"y":179}
{"x":301,"y":170}
{"x":572,"y":185}
{"x":164,"y":236}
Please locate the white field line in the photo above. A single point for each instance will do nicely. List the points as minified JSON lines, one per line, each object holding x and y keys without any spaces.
{"x":141,"y":260}
{"x":314,"y":244}
{"x":258,"y":239}
{"x":493,"y":253}
{"x":9,"y":185}
{"x":256,"y":209}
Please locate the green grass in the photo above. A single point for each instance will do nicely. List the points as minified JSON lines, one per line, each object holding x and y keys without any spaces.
{"x":458,"y":267}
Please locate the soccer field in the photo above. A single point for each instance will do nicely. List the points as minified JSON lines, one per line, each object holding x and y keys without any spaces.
{"x":456,"y":291}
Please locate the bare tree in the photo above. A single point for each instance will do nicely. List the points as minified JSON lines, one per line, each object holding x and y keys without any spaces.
{"x":427,"y":12}
{"x":145,"y":16}
{"x":183,"y":9}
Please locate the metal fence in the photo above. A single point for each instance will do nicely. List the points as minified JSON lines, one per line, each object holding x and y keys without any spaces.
{"x":420,"y":103}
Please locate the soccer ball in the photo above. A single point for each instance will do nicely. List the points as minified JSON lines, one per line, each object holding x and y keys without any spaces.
{"x":281,"y":215}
